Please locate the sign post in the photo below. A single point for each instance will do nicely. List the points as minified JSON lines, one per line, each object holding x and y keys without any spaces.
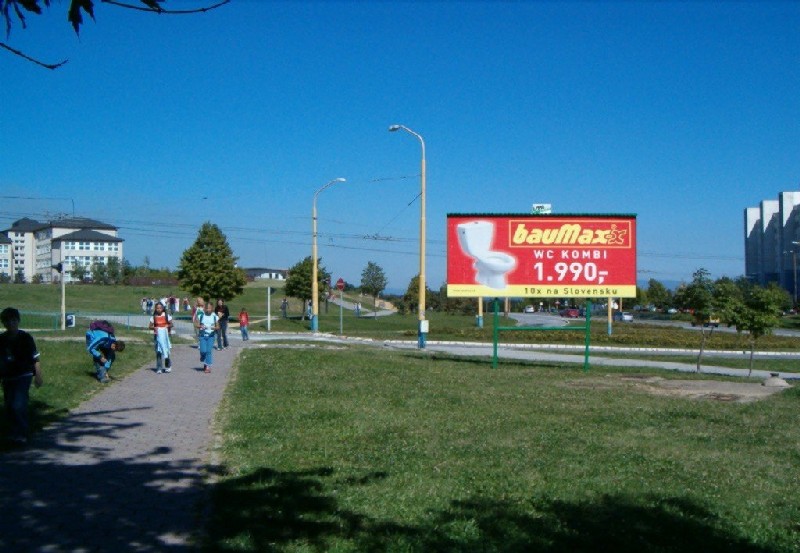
{"x":340,"y":286}
{"x":269,"y":308}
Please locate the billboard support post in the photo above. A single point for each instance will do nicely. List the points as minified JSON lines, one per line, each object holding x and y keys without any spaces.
{"x":496,"y":328}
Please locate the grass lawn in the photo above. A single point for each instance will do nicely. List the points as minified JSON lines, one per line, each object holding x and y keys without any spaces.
{"x":340,"y":449}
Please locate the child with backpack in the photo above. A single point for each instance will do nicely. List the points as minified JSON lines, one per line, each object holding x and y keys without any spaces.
{"x":160,"y":324}
{"x":207,"y":323}
{"x":102,"y":345}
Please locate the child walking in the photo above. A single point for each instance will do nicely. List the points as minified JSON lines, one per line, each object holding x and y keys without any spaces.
{"x":207,"y":326}
{"x":244,"y":322}
{"x":161,"y":324}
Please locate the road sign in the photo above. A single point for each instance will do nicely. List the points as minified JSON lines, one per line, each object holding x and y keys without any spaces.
{"x":340,"y":284}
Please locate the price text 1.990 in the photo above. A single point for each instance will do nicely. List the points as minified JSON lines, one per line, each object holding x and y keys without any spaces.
{"x":573,"y":272}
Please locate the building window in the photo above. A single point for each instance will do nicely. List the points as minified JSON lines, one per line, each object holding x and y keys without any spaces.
{"x":84,"y":245}
{"x":4,"y":249}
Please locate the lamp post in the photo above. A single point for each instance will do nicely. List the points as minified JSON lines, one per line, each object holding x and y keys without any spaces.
{"x":794,"y":268}
{"x":423,"y":324}
{"x":314,"y":283}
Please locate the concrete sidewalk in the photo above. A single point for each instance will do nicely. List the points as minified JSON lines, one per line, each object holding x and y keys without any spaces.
{"x":124,"y":471}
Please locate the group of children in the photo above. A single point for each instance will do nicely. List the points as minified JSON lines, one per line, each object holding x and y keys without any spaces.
{"x":211,"y":325}
{"x":20,"y":366}
{"x":209,"y":321}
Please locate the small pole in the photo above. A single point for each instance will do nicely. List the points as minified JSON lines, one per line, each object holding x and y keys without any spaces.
{"x":495,"y":331}
{"x":587,"y":338}
{"x":341,"y":317}
{"x":63,"y":298}
{"x":269,"y":308}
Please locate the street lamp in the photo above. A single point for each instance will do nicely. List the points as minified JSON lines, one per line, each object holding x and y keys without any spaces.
{"x":423,"y":324}
{"x":314,"y":283}
{"x":794,"y":267}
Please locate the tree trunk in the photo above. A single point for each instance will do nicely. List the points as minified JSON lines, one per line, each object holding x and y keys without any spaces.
{"x":702,"y":347}
{"x":752,"y":353}
{"x":375,"y":307}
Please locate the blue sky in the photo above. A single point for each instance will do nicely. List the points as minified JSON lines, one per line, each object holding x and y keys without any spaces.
{"x":681,"y":113}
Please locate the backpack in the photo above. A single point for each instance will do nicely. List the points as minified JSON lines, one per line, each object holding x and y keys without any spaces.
{"x":101,"y":324}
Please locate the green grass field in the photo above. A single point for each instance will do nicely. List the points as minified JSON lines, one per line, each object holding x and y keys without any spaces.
{"x":339,"y":449}
{"x":345,"y":448}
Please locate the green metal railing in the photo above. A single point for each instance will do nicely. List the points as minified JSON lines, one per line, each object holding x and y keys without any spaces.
{"x":497,"y":328}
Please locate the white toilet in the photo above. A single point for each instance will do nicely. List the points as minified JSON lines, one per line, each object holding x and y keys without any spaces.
{"x":491,"y":267}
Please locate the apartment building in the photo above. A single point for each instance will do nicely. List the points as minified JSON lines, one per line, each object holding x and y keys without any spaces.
{"x":6,"y":257}
{"x":772,"y":241}
{"x":38,"y":247}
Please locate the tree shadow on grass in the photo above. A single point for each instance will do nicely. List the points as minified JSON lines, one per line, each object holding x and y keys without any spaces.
{"x":270,"y":510}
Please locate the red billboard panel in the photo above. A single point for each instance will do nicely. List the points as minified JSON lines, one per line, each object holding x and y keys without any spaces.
{"x":541,"y":255}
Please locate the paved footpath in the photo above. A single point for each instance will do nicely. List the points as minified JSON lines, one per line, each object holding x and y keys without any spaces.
{"x":124,"y":471}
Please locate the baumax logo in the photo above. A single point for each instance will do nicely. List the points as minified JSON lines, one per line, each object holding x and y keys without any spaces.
{"x":569,"y":234}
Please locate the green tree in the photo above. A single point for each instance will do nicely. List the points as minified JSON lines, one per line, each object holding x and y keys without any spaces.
{"x":658,"y":294}
{"x":128,"y":271}
{"x":373,"y":282}
{"x":728,"y":296}
{"x":78,"y":272}
{"x":642,"y":296}
{"x":99,"y":272}
{"x":114,"y":270}
{"x":411,"y":297}
{"x":208,"y":268}
{"x":298,"y":281}
{"x":698,"y":296}
{"x":756,"y":310}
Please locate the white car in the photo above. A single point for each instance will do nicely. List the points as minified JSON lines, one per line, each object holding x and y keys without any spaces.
{"x":529,"y":309}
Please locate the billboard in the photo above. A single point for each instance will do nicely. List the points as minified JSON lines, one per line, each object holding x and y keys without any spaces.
{"x":540,"y":256}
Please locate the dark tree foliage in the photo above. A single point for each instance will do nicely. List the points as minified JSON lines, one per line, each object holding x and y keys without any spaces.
{"x":208,"y":268}
{"x":298,"y":282}
{"x":373,"y":282}
{"x":12,"y":11}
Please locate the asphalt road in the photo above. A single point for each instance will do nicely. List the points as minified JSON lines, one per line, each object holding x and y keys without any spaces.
{"x":549,"y":319}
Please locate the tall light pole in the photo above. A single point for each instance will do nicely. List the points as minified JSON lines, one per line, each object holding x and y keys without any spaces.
{"x":423,"y":324}
{"x":314,"y":283}
{"x":794,"y":267}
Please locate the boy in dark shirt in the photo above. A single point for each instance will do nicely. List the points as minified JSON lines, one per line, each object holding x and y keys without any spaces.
{"x":19,"y":365}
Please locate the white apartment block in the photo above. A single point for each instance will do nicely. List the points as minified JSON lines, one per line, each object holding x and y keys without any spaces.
{"x":772,"y":241}
{"x":38,"y":247}
{"x":6,"y":257}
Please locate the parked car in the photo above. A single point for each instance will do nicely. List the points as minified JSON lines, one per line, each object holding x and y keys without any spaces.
{"x":623,"y":316}
{"x":672,"y":310}
{"x":713,"y":320}
{"x":529,"y":309}
{"x":570,"y":313}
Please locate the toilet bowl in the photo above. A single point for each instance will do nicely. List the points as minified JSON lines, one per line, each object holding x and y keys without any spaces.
{"x":475,"y":238}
